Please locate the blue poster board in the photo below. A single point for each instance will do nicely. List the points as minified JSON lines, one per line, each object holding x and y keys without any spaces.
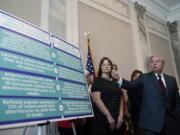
{"x":41,"y":76}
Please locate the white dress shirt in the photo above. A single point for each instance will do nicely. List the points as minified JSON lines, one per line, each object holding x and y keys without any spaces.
{"x":162,"y":78}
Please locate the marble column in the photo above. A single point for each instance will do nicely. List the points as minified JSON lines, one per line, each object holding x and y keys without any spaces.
{"x":175,"y":42}
{"x":141,"y":13}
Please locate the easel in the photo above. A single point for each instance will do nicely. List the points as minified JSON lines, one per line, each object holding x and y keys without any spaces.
{"x":39,"y":128}
{"x":73,"y":127}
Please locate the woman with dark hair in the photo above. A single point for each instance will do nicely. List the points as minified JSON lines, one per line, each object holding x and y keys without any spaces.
{"x":135,"y":74}
{"x":135,"y":97}
{"x":106,"y":96}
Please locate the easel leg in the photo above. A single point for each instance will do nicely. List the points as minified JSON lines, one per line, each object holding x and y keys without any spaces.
{"x":24,"y":131}
{"x":39,"y":130}
{"x":73,"y":128}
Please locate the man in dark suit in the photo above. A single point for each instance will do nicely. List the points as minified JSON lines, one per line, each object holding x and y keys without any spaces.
{"x":158,"y":97}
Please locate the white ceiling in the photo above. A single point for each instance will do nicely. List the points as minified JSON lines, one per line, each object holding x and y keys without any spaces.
{"x":168,"y":10}
{"x":169,"y":4}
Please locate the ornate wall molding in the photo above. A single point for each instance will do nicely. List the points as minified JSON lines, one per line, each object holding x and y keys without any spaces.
{"x":57,"y":17}
{"x":172,"y":27}
{"x":143,"y":39}
{"x":140,"y":10}
{"x":156,"y":26}
{"x":119,"y":6}
{"x":175,"y":43}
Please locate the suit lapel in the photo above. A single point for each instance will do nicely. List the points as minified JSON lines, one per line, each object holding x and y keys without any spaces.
{"x":155,"y":81}
{"x":167,"y":84}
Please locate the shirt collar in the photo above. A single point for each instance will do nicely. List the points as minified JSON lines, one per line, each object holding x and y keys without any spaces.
{"x":159,"y":74}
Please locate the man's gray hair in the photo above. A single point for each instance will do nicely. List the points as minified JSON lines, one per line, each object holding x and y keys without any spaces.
{"x":162,"y":59}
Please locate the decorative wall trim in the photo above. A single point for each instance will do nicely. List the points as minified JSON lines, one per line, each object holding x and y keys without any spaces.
{"x":140,"y":10}
{"x":156,"y":27}
{"x":44,"y":15}
{"x":158,"y":34}
{"x":153,"y":8}
{"x":115,"y":8}
{"x":172,"y":27}
{"x":72,"y":22}
{"x":175,"y":44}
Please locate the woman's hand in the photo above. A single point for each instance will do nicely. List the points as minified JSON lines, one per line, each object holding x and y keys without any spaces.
{"x":119,"y":121}
{"x":111,"y":121}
